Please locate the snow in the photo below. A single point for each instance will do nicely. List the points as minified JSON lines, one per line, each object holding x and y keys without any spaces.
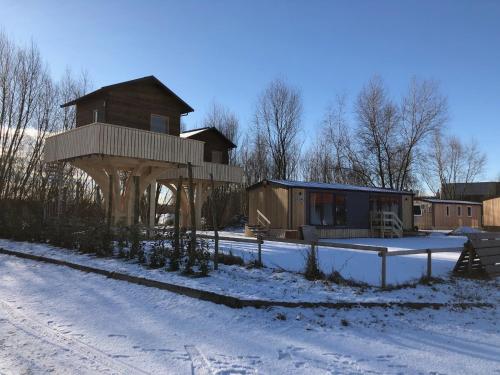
{"x":363,"y":266}
{"x":55,"y":319}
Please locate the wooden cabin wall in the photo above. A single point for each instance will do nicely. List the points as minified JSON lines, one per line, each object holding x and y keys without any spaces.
{"x":441,"y":221}
{"x":426,"y":220}
{"x":272,"y":201}
{"x":491,"y":215}
{"x":85,"y":110}
{"x":298,"y":208}
{"x":132,"y":105}
{"x":213,"y":142}
{"x":407,"y":211}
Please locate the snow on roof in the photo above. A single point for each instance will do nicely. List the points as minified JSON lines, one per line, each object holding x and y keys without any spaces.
{"x":192,"y":132}
{"x":446,"y":201}
{"x":333,"y":186}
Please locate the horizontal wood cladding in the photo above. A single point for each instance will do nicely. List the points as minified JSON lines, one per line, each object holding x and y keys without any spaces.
{"x":131,"y":106}
{"x":112,"y":140}
{"x":220,"y":172}
{"x":272,"y":201}
{"x":435,"y":217}
{"x":213,"y":142}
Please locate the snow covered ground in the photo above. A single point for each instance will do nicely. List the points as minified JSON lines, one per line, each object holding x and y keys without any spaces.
{"x":361,"y":266}
{"x":59,"y":320}
{"x":272,"y":283}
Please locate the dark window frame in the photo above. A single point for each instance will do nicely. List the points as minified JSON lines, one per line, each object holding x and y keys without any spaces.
{"x":334,"y":195}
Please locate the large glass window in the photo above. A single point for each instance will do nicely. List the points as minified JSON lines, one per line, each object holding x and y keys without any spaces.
{"x":327,"y":209}
{"x":159,"y":124}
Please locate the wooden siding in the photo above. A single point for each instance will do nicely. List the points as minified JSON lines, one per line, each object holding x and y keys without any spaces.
{"x":131,"y":105}
{"x":407,"y":211}
{"x":435,"y":216}
{"x":272,"y":201}
{"x":221,"y":173}
{"x":298,"y":208}
{"x":491,"y":215}
{"x":112,"y":140}
{"x":213,"y":142}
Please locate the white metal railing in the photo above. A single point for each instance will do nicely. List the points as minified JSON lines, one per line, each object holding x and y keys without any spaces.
{"x":114,"y":140}
{"x":386,"y":221}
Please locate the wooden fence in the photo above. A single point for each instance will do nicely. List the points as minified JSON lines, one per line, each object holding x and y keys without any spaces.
{"x":382,"y":252}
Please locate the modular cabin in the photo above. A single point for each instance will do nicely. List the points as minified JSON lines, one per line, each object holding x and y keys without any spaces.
{"x":442,"y":214}
{"x":281,"y":208}
{"x":128,"y":139}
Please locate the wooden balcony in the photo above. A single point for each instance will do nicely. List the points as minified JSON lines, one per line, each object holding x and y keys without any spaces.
{"x":112,"y":140}
{"x":220,"y":172}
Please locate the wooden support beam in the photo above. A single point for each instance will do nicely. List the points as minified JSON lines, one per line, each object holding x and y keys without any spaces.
{"x":429,"y":264}
{"x":136,"y":199}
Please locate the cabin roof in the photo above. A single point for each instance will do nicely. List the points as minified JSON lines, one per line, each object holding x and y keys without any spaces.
{"x":193,"y":132}
{"x":447,"y":201}
{"x":186,"y":107}
{"x":326,"y":186}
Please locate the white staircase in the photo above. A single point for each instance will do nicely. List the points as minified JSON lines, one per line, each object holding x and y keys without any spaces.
{"x":386,"y":224}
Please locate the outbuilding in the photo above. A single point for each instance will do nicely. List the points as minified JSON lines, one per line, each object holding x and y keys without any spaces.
{"x":444,"y":214}
{"x":283,"y":207}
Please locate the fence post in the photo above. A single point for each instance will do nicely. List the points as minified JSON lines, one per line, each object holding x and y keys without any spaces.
{"x":259,"y":249}
{"x":383,"y":254}
{"x":429,"y":264}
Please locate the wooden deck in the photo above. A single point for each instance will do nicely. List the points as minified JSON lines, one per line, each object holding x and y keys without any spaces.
{"x":112,"y":140}
{"x":221,"y":173}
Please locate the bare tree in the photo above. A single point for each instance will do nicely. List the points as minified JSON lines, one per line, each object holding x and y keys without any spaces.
{"x":278,"y":114}
{"x":227,"y":123}
{"x":452,"y":161}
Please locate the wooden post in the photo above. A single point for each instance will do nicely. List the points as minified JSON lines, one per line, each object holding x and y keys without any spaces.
{"x":471,"y":257}
{"x":383,"y":254}
{"x":191,"y":207}
{"x":214,"y":222}
{"x":110,"y":200}
{"x":152,"y":206}
{"x":429,"y":264}
{"x":136,"y":199}
{"x":177,"y":214}
{"x":259,"y":249}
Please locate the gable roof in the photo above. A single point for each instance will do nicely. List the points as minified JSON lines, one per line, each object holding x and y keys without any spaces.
{"x":186,"y":107}
{"x":447,"y":201}
{"x":327,"y":186}
{"x":191,"y":133}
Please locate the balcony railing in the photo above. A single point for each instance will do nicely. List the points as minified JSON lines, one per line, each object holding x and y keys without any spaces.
{"x":113,"y":140}
{"x":220,"y":172}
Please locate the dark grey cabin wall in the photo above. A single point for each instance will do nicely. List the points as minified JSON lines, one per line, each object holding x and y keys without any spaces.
{"x":358,"y":209}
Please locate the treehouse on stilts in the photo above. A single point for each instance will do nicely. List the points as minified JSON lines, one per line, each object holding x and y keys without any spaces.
{"x":128,"y":139}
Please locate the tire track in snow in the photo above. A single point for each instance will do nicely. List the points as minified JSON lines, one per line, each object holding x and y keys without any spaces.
{"x":79,"y":348}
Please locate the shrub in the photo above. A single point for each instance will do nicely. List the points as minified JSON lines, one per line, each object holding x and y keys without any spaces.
{"x":312,"y":271}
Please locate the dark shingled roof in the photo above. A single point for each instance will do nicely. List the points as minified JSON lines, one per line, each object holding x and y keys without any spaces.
{"x":186,"y":107}
{"x":327,"y":186}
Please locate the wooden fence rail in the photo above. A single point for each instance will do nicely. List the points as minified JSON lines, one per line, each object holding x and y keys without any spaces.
{"x":382,"y":252}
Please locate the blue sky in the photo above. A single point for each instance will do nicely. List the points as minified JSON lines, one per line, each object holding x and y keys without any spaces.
{"x":228,"y":51}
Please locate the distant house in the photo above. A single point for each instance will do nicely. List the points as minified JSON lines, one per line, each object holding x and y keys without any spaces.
{"x":432,"y":213}
{"x":471,"y":191}
{"x":282,"y":207}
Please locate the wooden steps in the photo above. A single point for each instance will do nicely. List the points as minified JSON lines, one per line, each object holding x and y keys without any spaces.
{"x":480,"y":257}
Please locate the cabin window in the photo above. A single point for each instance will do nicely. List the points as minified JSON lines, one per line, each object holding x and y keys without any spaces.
{"x":159,"y":124}
{"x":459,"y":210}
{"x":95,"y":115}
{"x":417,"y":210}
{"x":216,"y":156}
{"x":469,"y":211}
{"x":447,"y":210}
{"x":327,"y":209}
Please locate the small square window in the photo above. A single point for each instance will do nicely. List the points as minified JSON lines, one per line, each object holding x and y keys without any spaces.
{"x":159,"y":124}
{"x":469,"y":211}
{"x":417,"y":210}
